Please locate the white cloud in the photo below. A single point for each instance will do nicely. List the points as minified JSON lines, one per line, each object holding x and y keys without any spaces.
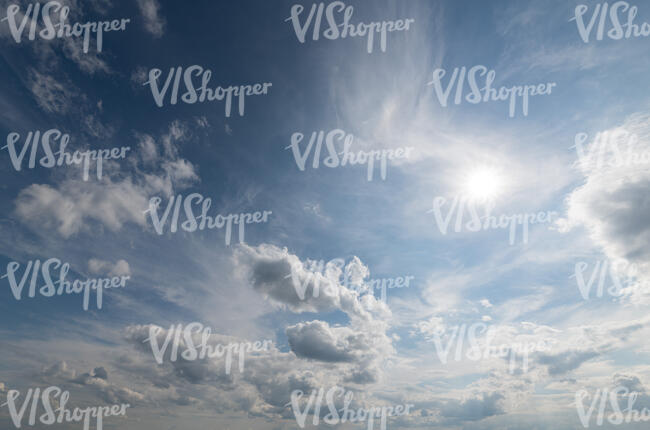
{"x":61,"y":375}
{"x":101,"y":267}
{"x":613,"y":204}
{"x":74,"y":205}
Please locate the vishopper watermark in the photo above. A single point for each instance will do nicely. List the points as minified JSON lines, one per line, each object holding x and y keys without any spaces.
{"x":60,"y":414}
{"x":60,"y":29}
{"x":481,"y":349}
{"x":36,"y":140}
{"x":485,"y":93}
{"x":193,"y":222}
{"x":347,"y":414}
{"x":617,"y":415}
{"x":226,"y":94}
{"x":347,"y":155}
{"x":617,"y":30}
{"x":60,"y":286}
{"x":601,"y":270}
{"x":313,"y":269}
{"x":605,"y":151}
{"x":184,"y":338}
{"x":333,"y":17}
{"x":477,"y":222}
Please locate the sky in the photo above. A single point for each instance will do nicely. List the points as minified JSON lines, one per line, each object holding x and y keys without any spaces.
{"x":328,"y":224}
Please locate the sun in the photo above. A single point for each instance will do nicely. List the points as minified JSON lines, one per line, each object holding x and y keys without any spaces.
{"x":483,"y":184}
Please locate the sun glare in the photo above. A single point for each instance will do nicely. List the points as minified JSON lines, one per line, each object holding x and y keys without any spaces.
{"x":483,"y":184}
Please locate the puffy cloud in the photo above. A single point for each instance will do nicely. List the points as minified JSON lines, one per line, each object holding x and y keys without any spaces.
{"x":346,"y":355}
{"x":282,"y":278}
{"x":308,"y":286}
{"x":75,"y":205}
{"x":207,"y":370}
{"x":180,"y":171}
{"x":430,"y":328}
{"x":101,"y":267}
{"x":318,"y":341}
{"x":486,"y":303}
{"x":60,"y":374}
{"x":312,"y":286}
{"x":263,"y":389}
{"x":613,"y":204}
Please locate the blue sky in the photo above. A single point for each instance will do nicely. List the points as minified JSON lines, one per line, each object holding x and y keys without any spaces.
{"x":383,"y":352}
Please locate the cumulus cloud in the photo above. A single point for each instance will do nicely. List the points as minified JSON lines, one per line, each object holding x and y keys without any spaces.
{"x":309,"y":286}
{"x":263,"y":389}
{"x":74,"y":205}
{"x":430,"y":328}
{"x":312,"y":286}
{"x":348,"y":354}
{"x":101,"y":267}
{"x":613,"y":204}
{"x":317,"y":340}
{"x":97,"y":383}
